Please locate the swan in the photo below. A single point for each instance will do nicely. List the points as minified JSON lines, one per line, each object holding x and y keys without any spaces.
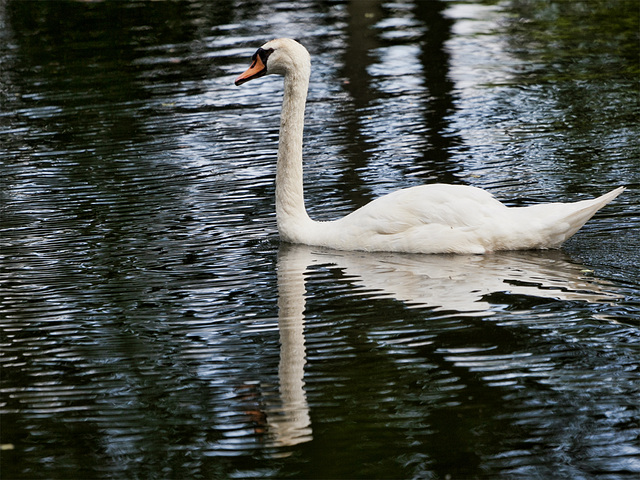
{"x":435,"y":218}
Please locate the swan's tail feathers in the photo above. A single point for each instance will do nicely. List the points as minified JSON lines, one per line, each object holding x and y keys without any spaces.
{"x":606,"y":198}
{"x":557,"y":222}
{"x":583,"y":211}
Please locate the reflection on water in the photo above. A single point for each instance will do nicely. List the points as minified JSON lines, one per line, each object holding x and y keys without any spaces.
{"x":151,"y":324}
{"x":461,"y":283}
{"x":465,"y":283}
{"x":292,"y":426}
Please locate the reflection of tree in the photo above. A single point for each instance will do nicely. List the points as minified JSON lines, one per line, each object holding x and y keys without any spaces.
{"x":76,"y":55}
{"x":435,"y":60}
{"x":589,"y":51}
{"x":363,"y":40}
{"x":360,"y":42}
{"x":582,"y":61}
{"x":578,"y":40}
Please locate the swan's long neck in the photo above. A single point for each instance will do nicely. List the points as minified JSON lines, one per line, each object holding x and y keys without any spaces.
{"x":291,"y":215}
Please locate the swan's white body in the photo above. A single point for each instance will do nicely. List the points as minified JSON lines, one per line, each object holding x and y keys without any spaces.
{"x":433,"y":218}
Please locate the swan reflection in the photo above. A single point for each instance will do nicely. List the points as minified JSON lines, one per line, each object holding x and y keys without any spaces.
{"x":290,"y":424}
{"x":457,"y":283}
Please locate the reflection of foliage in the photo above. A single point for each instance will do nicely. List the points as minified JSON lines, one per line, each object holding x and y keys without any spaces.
{"x":580,"y":39}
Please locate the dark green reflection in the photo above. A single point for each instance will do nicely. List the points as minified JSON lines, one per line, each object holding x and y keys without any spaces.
{"x":578,"y":40}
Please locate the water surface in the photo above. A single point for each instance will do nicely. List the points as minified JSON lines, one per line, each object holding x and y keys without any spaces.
{"x":154,"y":326}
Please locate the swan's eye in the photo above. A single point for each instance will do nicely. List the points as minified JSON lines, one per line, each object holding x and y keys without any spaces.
{"x":264,"y":54}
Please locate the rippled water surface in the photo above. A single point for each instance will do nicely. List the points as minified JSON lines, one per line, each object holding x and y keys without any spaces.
{"x":153,"y":326}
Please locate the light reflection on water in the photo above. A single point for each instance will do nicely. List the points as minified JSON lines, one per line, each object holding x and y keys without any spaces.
{"x":153,"y":325}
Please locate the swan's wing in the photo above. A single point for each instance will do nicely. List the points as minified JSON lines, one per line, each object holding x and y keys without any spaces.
{"x":437,"y":205}
{"x":426,"y":219}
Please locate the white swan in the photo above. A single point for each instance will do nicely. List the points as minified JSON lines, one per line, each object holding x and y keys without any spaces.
{"x":434,"y":218}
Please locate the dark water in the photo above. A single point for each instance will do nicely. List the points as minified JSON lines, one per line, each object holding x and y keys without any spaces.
{"x":154,"y":327}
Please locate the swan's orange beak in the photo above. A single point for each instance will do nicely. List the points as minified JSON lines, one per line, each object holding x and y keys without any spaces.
{"x":256,"y":70}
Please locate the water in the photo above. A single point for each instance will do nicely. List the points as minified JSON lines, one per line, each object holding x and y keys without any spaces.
{"x":154,"y":327}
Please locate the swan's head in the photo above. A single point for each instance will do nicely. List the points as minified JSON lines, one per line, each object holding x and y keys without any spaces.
{"x":281,"y":57}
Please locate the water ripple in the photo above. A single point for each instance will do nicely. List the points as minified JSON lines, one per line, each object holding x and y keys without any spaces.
{"x":152,"y":322}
